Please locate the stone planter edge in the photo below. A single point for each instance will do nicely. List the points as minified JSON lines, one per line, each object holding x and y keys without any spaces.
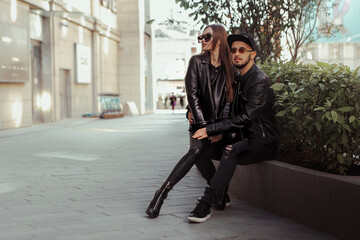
{"x":326,"y":202}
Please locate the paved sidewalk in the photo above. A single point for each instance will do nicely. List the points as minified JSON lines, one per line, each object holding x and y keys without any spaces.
{"x":92,"y":179}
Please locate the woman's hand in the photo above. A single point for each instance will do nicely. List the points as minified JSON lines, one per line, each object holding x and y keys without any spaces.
{"x":190,"y":117}
{"x":200,"y":134}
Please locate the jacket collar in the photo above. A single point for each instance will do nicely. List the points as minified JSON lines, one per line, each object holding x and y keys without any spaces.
{"x":205,"y":58}
{"x":247,"y":74}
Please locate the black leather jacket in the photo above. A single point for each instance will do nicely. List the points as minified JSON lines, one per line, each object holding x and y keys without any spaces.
{"x":252,"y":109}
{"x":205,"y":100}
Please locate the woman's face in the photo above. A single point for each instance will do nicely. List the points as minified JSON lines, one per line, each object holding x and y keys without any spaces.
{"x":207,"y":46}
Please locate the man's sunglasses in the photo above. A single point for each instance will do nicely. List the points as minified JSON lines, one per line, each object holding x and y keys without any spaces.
{"x":241,"y":50}
{"x":207,"y":37}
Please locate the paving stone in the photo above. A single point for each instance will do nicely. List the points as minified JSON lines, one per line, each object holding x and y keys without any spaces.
{"x":91,"y":179}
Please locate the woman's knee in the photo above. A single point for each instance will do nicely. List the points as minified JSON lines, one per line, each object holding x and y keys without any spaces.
{"x":196,"y":149}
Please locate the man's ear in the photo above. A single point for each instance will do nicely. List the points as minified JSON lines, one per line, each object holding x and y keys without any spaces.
{"x":253,"y":55}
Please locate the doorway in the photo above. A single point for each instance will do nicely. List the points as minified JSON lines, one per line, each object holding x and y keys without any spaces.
{"x":65,"y":94}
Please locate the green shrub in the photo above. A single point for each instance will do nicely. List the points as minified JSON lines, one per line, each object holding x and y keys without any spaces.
{"x":318,"y":112}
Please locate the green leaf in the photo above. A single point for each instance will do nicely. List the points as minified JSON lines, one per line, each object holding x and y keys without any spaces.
{"x":292,"y":86}
{"x":277,"y":86}
{"x":340,"y":119}
{"x":281,"y":113}
{"x":328,"y":115}
{"x":340,"y":158}
{"x":328,"y":103}
{"x":278,"y":74}
{"x":294,"y":109}
{"x":318,"y":126}
{"x":322,"y":64}
{"x":346,"y":109}
{"x":347,"y":127}
{"x":334,"y":116}
{"x":322,"y":87}
{"x":319,"y":109}
{"x":351,"y":118}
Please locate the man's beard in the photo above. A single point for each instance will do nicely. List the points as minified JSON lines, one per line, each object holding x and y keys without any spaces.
{"x":240,"y":66}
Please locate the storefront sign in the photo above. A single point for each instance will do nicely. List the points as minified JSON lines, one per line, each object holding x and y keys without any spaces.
{"x":82,"y":63}
{"x":14,"y":57}
{"x":110,"y":4}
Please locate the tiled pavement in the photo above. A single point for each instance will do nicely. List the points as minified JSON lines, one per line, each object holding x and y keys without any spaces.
{"x":92,"y":179}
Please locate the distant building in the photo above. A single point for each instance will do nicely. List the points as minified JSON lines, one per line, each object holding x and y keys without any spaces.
{"x":344,"y":47}
{"x":58,"y":57}
{"x":173,"y":49}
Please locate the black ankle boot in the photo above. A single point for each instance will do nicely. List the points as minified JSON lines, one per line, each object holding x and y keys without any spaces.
{"x":160,"y":195}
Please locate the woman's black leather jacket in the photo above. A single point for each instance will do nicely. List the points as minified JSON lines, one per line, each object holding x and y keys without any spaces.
{"x":205,"y":100}
{"x":252,"y":109}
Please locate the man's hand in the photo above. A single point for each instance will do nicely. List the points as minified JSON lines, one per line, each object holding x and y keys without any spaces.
{"x":216,"y":138}
{"x":190,"y":117}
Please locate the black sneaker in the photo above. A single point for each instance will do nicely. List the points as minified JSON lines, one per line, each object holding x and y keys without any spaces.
{"x":227,"y":203}
{"x":201,"y":213}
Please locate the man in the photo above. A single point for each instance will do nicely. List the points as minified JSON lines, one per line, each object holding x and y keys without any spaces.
{"x":252,"y":119}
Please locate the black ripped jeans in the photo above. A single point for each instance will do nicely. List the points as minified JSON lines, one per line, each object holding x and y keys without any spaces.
{"x":243,"y":153}
{"x":200,"y":153}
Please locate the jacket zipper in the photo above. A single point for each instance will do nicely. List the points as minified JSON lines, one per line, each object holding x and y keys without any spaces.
{"x":262,"y":128}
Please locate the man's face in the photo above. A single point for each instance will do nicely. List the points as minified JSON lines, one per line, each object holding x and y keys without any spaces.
{"x":240,"y":60}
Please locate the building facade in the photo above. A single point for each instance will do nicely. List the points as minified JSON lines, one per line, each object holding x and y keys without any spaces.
{"x":59,"y":57}
{"x":344,"y":46}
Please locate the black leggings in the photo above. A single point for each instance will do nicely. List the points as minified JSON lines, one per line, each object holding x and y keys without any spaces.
{"x":200,"y":153}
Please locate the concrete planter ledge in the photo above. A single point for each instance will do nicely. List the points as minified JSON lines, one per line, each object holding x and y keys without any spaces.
{"x":326,"y":202}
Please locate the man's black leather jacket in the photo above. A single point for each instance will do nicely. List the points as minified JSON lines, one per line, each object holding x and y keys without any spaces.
{"x":205,"y":100}
{"x":252,"y":109}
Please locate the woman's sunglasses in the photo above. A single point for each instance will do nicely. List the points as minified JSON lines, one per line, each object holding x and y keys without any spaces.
{"x":207,"y":37}
{"x":241,"y":50}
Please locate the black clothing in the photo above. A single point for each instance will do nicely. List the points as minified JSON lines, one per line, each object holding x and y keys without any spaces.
{"x":205,"y":85}
{"x":252,"y":113}
{"x":243,"y":153}
{"x":200,"y":153}
{"x":253,"y":118}
{"x":205,"y":99}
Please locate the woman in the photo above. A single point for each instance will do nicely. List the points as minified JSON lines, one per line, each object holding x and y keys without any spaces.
{"x":207,"y":75}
